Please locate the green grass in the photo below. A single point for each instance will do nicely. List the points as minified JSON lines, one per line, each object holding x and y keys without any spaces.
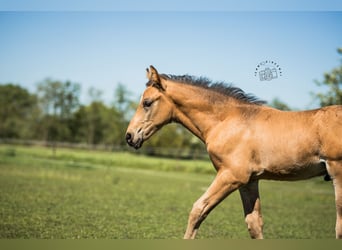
{"x":99,"y":159}
{"x":85,"y":194}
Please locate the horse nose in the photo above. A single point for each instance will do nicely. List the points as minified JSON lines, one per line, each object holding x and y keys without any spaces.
{"x":128,"y":137}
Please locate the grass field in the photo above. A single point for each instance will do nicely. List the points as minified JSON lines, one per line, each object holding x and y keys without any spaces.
{"x":88,"y":194}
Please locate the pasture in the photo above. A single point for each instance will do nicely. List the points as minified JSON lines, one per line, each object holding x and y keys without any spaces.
{"x":91,"y":194}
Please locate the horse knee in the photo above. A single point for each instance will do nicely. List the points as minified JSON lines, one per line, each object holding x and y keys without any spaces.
{"x":197,"y":214}
{"x":254,"y":224}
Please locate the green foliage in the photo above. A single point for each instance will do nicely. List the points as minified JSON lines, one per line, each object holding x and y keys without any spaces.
{"x":333,"y":82}
{"x":56,"y":115}
{"x":278,"y":104}
{"x":59,"y":98}
{"x":67,"y":197}
{"x":18,"y":112}
{"x":122,"y":102}
{"x":97,"y":123}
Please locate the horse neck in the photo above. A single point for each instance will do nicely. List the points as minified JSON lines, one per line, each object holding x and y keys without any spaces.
{"x":194,"y":110}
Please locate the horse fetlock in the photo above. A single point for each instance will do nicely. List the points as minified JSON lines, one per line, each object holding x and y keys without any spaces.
{"x":255,"y":225}
{"x":338,"y":232}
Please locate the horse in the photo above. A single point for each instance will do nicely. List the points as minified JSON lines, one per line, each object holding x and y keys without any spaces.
{"x":246,"y":140}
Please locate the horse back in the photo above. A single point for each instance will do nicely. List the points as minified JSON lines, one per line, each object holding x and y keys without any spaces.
{"x":318,"y":131}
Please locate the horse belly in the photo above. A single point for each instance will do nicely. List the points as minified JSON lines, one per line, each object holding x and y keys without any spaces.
{"x":292,"y":172}
{"x":291,"y":152}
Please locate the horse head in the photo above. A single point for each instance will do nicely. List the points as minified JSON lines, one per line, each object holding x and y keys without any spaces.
{"x":153,"y":112}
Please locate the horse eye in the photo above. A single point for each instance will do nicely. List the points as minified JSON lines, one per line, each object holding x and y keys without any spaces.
{"x":147,"y":103}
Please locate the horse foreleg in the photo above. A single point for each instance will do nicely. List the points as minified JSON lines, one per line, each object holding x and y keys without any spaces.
{"x":223,"y":184}
{"x":338,"y":196}
{"x":251,"y":205}
{"x":335,"y":171}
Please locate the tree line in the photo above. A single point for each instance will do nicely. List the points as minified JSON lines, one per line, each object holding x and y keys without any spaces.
{"x":54,"y":114}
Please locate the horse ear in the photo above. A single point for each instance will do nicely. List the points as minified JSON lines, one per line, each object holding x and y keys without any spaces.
{"x":153,"y":77}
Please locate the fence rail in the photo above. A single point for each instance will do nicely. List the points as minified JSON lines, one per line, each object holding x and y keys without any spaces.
{"x":181,"y":153}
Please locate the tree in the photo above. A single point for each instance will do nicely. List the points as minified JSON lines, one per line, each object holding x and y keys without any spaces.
{"x":95,"y":94}
{"x":122,"y":101}
{"x":278,"y":104}
{"x":333,"y":81}
{"x":99,"y":124}
{"x":58,"y":100}
{"x":18,"y":112}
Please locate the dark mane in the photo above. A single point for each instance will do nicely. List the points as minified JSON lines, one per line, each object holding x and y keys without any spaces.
{"x":218,"y":87}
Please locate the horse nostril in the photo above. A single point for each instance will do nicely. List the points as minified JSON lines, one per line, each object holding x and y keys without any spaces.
{"x":128,"y":136}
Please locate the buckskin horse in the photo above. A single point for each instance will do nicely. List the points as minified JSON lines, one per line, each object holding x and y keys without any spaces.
{"x":245,"y":139}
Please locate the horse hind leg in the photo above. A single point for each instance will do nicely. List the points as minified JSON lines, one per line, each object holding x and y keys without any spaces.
{"x":335,"y":171}
{"x":251,"y":205}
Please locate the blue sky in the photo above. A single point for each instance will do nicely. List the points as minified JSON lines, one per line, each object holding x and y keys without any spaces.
{"x":175,"y":5}
{"x":100,"y":49}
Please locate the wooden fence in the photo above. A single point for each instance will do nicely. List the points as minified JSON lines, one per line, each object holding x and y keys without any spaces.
{"x":179,"y":153}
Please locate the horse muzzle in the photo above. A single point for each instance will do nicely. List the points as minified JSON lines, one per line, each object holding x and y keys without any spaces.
{"x":134,"y":141}
{"x":135,"y":137}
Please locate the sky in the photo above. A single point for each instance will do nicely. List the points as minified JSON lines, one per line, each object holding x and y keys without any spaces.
{"x":100,"y":49}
